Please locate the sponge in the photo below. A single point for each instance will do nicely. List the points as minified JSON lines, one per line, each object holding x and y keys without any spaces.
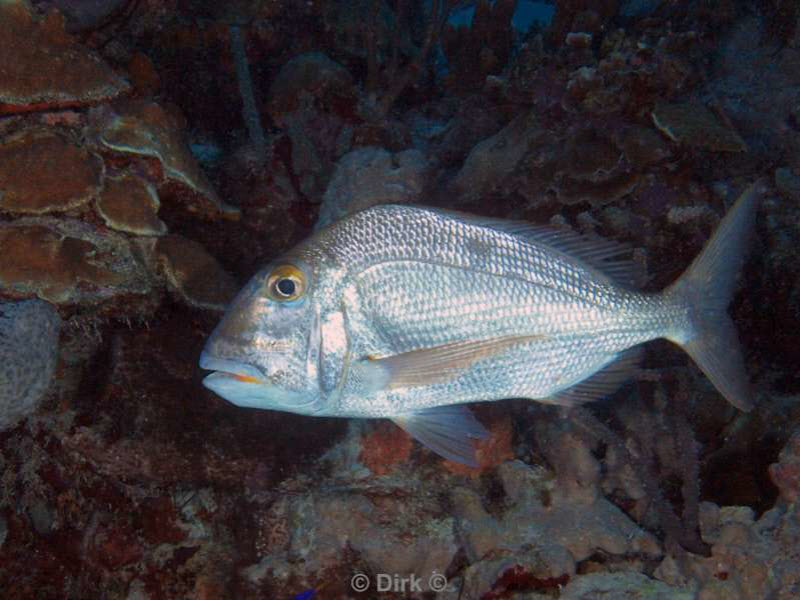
{"x":29,"y":333}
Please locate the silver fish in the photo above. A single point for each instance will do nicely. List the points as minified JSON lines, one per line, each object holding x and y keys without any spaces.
{"x":406,"y":313}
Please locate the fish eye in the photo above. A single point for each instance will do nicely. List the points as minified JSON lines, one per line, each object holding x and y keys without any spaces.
{"x":286,"y":283}
{"x":285,"y":287}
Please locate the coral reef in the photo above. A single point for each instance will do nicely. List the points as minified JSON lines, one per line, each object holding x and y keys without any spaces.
{"x":136,"y":196}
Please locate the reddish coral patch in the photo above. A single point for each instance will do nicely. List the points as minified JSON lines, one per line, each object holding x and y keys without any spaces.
{"x":492,"y":451}
{"x":383,"y":448}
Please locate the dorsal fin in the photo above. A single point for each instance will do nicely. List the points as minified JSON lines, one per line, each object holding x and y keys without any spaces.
{"x":598,"y":253}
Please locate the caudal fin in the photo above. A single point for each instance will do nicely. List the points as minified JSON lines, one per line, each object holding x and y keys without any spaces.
{"x":708,"y":285}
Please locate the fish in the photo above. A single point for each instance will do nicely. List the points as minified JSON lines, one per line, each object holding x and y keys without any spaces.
{"x":409,"y":313}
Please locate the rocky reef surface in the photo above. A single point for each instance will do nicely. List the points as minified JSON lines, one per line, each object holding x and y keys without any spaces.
{"x":146,"y":172}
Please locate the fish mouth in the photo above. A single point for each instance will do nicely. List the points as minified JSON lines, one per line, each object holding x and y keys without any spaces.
{"x":230,"y":370}
{"x":245,"y":385}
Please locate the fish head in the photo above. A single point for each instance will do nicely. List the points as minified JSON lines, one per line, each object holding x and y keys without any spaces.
{"x":265,"y":351}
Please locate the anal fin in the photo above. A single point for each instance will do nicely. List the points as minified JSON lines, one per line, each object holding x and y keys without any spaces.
{"x":603,"y":383}
{"x":447,"y":430}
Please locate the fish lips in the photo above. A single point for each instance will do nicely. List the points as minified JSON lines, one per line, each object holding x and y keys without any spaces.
{"x":237,"y":382}
{"x":244,"y":385}
{"x":230,"y":368}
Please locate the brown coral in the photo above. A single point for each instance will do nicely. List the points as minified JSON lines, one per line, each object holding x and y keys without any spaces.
{"x":193,"y":273}
{"x":144,"y":128}
{"x":129,"y":203}
{"x":693,"y":124}
{"x":43,"y":67}
{"x":42,"y":172}
{"x":36,"y":259}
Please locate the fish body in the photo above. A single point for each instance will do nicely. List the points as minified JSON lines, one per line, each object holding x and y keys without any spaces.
{"x":408,"y":313}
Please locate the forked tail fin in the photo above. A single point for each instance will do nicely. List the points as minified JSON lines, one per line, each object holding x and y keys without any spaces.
{"x":708,"y":285}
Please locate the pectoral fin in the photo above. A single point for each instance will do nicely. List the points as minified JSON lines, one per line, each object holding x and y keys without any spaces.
{"x":428,"y":366}
{"x":447,"y":430}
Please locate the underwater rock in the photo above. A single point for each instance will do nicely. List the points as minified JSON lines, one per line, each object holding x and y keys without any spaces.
{"x":29,"y":332}
{"x":785,"y":474}
{"x":143,"y":75}
{"x":143,"y":128}
{"x":589,"y":155}
{"x":551,"y":511}
{"x":627,"y":586}
{"x":589,"y":168}
{"x":788,"y":184}
{"x":45,"y":68}
{"x":129,"y":203}
{"x":41,"y":172}
{"x":496,"y":157}
{"x":750,"y":559}
{"x":600,"y":193}
{"x":693,"y":124}
{"x":307,"y":77}
{"x":581,"y":16}
{"x":756,"y":82}
{"x":368,"y":176}
{"x":313,"y":100}
{"x":544,"y":569}
{"x":388,"y":532}
{"x":474,"y":120}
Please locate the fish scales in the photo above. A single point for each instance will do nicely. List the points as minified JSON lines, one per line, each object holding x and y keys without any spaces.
{"x":408,"y":313}
{"x":427,"y":280}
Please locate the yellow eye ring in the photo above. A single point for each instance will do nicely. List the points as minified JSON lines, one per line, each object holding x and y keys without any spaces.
{"x":286,"y":283}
